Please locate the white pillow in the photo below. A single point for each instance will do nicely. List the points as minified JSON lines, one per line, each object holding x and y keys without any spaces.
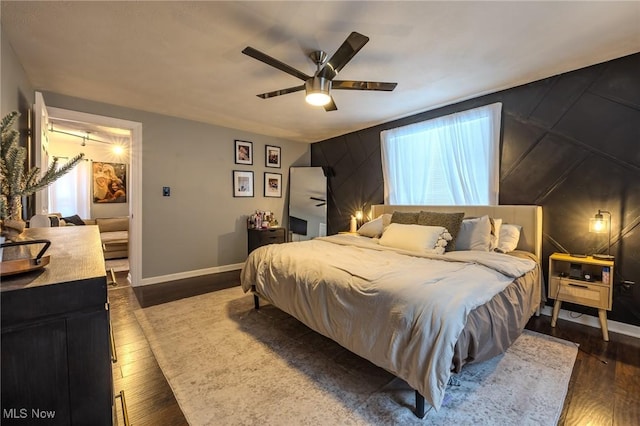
{"x":386,"y":220}
{"x":475,"y":234}
{"x":371,"y":229}
{"x":417,"y":238}
{"x":496,"y":224}
{"x":509,"y":237}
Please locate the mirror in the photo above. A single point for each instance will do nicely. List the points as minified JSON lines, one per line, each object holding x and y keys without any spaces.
{"x":307,"y":203}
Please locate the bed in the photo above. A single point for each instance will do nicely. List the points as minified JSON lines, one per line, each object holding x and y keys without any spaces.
{"x":421,"y":315}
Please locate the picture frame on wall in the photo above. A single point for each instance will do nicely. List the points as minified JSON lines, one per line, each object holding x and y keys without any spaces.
{"x":272,"y":156}
{"x":109,"y":182}
{"x":242,"y":183}
{"x":273,"y":185}
{"x":243,"y":152}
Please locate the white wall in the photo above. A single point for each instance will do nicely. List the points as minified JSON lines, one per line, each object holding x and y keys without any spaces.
{"x":17,"y":93}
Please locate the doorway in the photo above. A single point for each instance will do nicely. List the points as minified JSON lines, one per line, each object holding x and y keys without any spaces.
{"x":92,"y":121}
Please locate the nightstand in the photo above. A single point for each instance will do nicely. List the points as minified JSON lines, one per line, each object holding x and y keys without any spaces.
{"x":262,"y":237}
{"x":580,"y":280}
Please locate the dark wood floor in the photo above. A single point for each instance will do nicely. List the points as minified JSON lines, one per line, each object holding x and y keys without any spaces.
{"x":149,"y":398}
{"x":605,"y":383}
{"x":604,"y":387}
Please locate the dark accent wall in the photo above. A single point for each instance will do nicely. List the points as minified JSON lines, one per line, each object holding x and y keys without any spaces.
{"x":570,"y":143}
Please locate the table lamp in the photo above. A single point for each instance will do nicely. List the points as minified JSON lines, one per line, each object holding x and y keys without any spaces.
{"x":601,"y":225}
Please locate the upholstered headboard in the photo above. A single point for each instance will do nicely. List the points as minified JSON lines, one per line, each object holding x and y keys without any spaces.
{"x":529,"y":217}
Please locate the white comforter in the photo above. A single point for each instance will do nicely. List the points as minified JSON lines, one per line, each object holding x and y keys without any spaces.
{"x":403,"y":313}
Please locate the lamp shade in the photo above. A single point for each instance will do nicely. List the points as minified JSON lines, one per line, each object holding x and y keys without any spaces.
{"x":598,"y":224}
{"x":601,"y":225}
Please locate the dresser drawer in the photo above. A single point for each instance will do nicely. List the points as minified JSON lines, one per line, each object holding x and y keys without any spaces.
{"x":262,"y":237}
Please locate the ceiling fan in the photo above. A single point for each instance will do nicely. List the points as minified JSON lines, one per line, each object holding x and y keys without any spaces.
{"x":321,"y":203}
{"x":318,"y":86}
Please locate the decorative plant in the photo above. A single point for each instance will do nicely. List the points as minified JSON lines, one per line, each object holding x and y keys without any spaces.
{"x":15,"y":181}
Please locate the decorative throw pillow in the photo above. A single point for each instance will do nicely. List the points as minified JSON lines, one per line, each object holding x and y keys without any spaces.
{"x":451,"y":221}
{"x":371,"y":229}
{"x":416,"y":238}
{"x":509,"y":237}
{"x":475,"y":234}
{"x":75,"y":219}
{"x":406,"y":218}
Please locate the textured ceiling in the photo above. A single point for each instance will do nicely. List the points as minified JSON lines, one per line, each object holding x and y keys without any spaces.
{"x":184,"y":58}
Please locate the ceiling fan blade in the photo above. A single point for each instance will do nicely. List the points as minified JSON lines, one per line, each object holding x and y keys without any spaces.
{"x":263,"y":57}
{"x":343,"y":55}
{"x":280,"y":92}
{"x":331,"y":106}
{"x":363,"y":85}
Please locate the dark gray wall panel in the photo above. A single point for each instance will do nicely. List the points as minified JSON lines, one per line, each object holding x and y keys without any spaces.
{"x":620,"y":82}
{"x":566,"y":89}
{"x":538,"y":172}
{"x":570,"y":143}
{"x":519,"y":138}
{"x":604,"y":125}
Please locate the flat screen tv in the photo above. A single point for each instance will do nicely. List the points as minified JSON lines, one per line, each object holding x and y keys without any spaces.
{"x":297,"y":225}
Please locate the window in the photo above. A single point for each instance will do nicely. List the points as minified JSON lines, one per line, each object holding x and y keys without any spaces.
{"x":70,"y":194}
{"x":450,"y":160}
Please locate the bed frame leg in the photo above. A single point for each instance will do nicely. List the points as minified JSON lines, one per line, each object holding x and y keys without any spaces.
{"x":419,"y":412}
{"x":256,"y":300}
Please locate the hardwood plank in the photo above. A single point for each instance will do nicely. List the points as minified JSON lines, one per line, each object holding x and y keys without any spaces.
{"x":156,"y":294}
{"x":150,"y":400}
{"x":627,"y":396}
{"x":598,"y":393}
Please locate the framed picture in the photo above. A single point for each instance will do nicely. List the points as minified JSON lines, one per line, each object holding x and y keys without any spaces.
{"x":273,"y":185}
{"x":109,"y":182}
{"x":242,"y":183}
{"x":244,"y":152}
{"x":272,"y":156}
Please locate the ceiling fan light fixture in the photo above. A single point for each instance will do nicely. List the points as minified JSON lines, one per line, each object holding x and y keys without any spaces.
{"x":318,"y":89}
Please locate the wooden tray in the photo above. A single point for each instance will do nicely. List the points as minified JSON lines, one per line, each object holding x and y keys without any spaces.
{"x":18,"y":266}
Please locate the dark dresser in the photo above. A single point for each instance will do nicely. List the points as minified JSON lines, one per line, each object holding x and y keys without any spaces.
{"x":262,"y":237}
{"x":56,"y":360}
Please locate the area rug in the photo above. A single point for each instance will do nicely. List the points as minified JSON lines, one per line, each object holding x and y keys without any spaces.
{"x":230,"y":364}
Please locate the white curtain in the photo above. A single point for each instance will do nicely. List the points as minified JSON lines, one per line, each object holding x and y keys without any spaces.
{"x":71,"y":194}
{"x":450,"y":160}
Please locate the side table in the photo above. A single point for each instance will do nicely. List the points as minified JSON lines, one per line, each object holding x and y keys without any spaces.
{"x":582,"y":280}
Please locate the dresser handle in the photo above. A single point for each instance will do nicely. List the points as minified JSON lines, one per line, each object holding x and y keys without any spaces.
{"x":114,"y":354}
{"x":123,"y":404}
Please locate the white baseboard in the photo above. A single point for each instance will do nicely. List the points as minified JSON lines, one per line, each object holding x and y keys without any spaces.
{"x":190,"y":274}
{"x":591,"y":321}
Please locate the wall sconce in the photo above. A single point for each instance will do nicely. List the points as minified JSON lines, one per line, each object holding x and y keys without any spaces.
{"x":601,"y":225}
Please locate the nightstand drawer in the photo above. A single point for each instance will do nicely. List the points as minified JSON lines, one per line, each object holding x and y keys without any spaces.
{"x":263,"y":237}
{"x":581,"y":292}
